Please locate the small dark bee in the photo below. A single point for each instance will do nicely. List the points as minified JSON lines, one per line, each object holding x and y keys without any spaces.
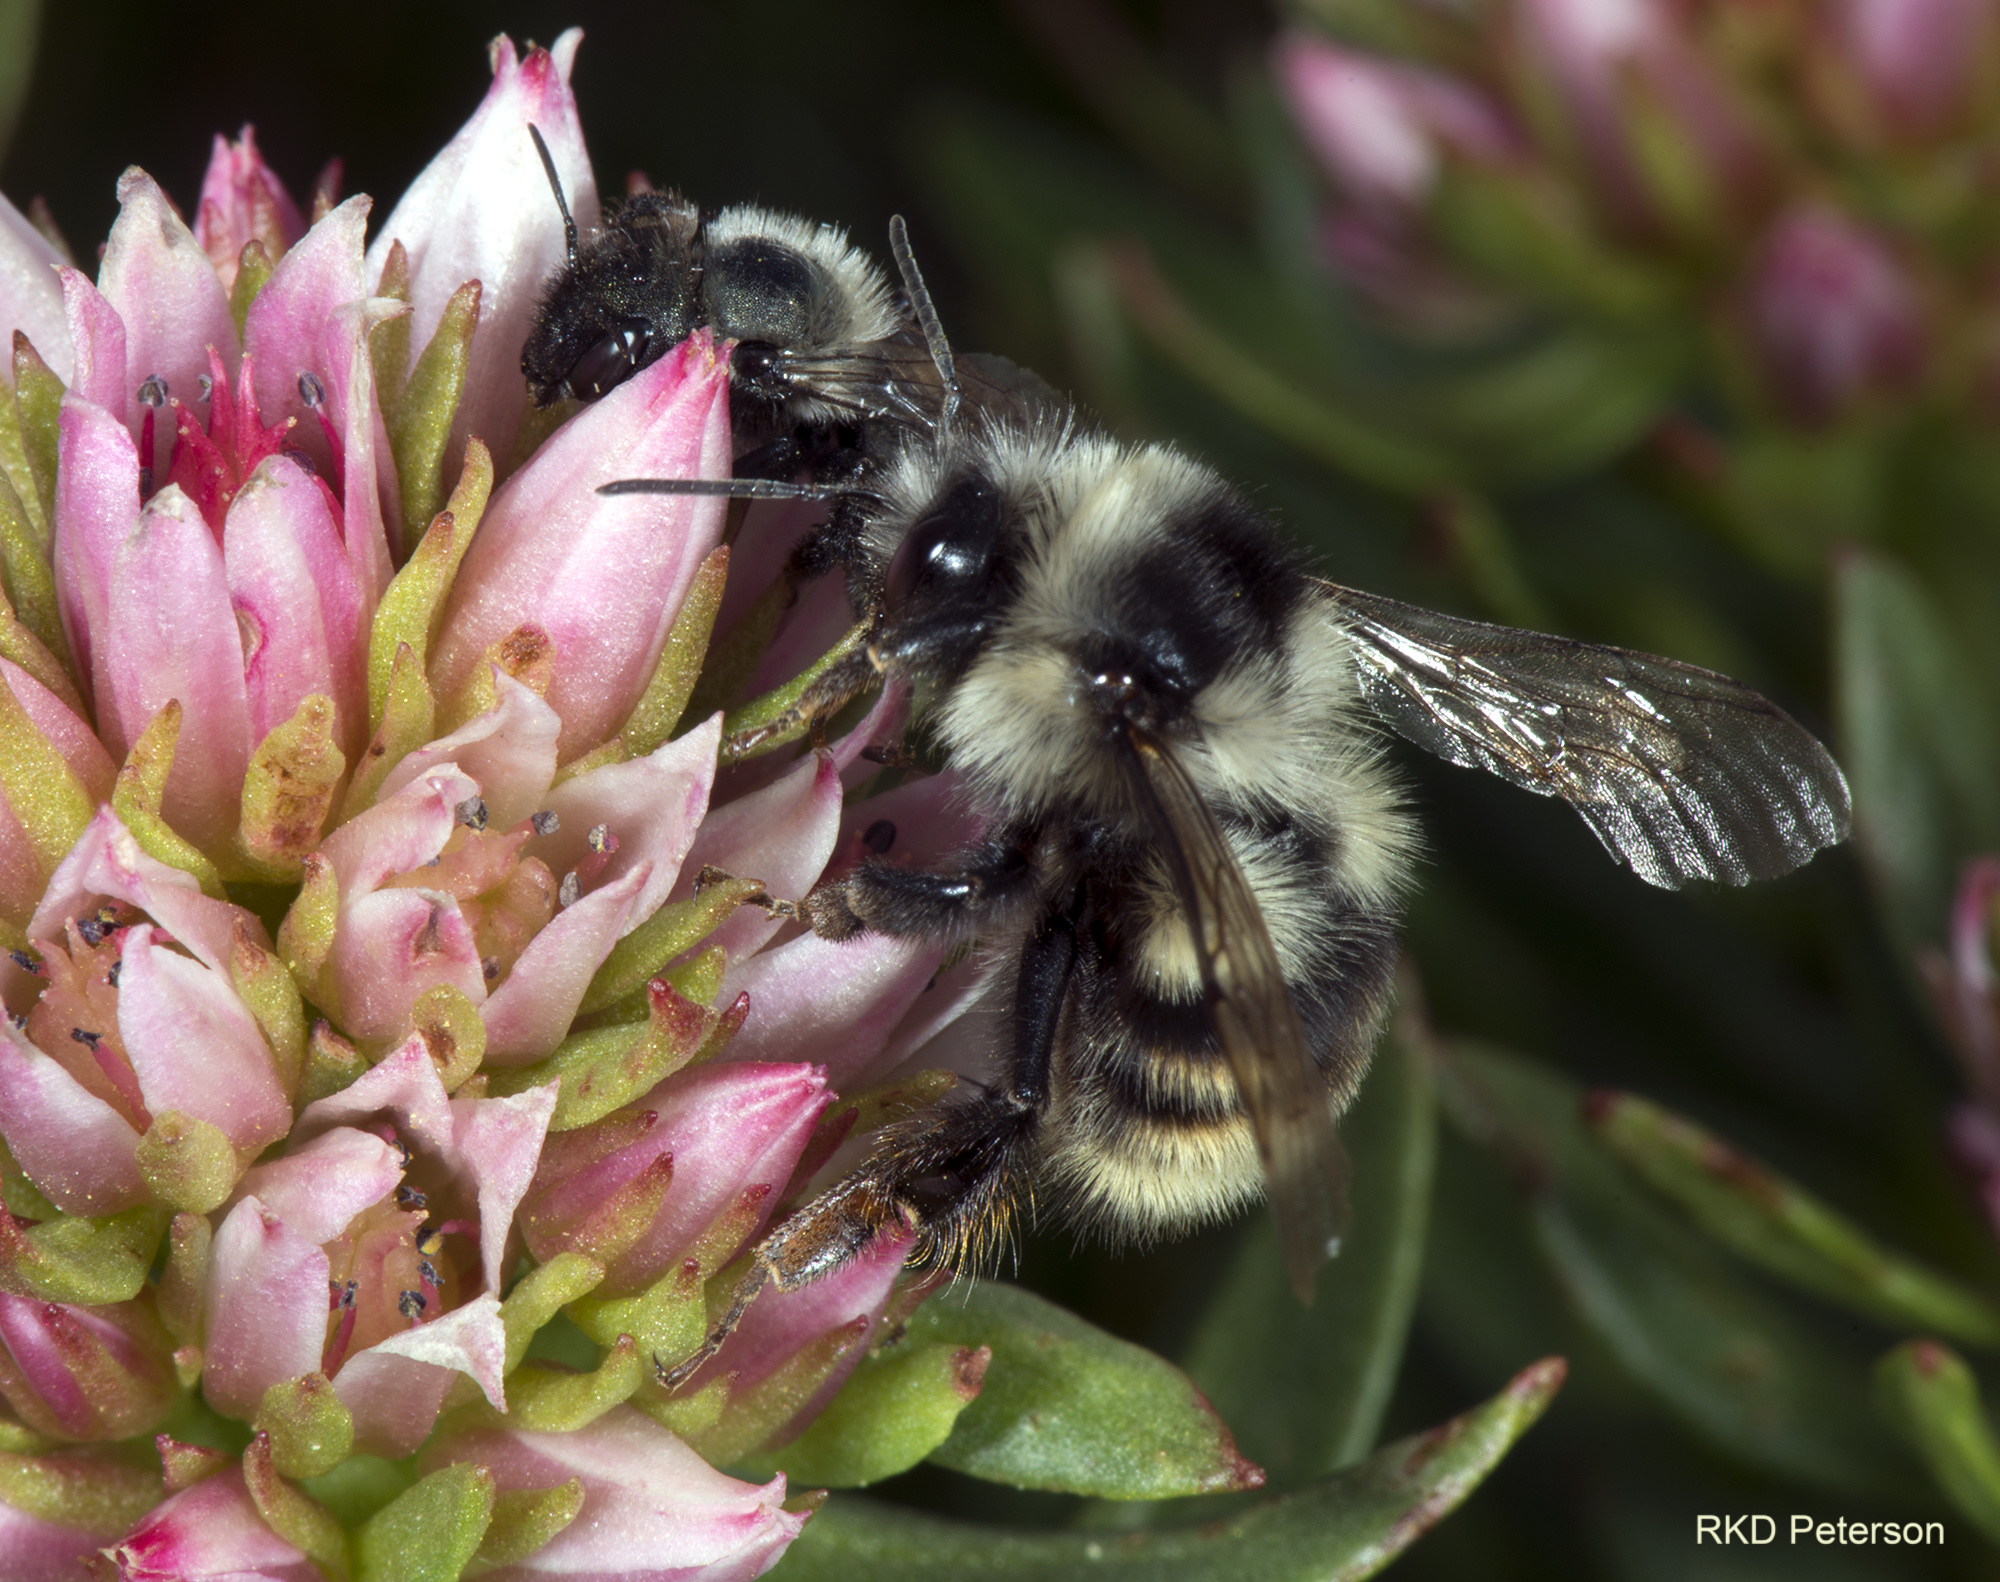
{"x":1195,"y":852}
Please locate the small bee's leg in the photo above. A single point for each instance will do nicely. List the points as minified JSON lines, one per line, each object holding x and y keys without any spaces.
{"x":843,"y":680}
{"x":920,"y":902}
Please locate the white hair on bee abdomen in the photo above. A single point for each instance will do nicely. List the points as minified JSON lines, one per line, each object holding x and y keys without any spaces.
{"x":867,"y":309}
{"x":1132,"y":1179}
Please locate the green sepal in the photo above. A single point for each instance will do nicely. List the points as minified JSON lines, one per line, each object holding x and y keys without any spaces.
{"x":1350,"y":1526}
{"x":526,"y":1519}
{"x":183,"y":1465}
{"x":305,"y":937}
{"x":687,"y":1417}
{"x":360,"y":1486}
{"x":540,"y":1294}
{"x":267,"y":989}
{"x":38,"y":397}
{"x":421,"y":425}
{"x":409,"y":719}
{"x":31,"y":590}
{"x":43,"y":793}
{"x":331,"y":1064}
{"x":253,"y":269}
{"x":1069,"y":1408}
{"x":606,"y":1068}
{"x":733,"y":658}
{"x":389,"y":343}
{"x":781,"y":702}
{"x":18,"y":1195}
{"x":76,"y":1259}
{"x":452,"y":1032}
{"x":543,"y":1399}
{"x":429,"y":1532}
{"x":288,"y":791}
{"x":98,"y":1492}
{"x":413,"y":603}
{"x":184,"y":1277}
{"x":757,"y":1416}
{"x":699,"y":978}
{"x":21,"y":646}
{"x":188,"y":1163}
{"x":1779,"y":1226}
{"x":1931,"y":1397}
{"x":899,"y":1406}
{"x":293,"y":1514}
{"x":311,"y":1431}
{"x":668,"y":1319}
{"x":664,"y":702}
{"x":137,"y":795}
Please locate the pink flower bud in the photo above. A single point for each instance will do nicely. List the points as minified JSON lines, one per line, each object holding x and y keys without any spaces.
{"x":1916,"y":58}
{"x":603,"y":577}
{"x":1379,"y":127}
{"x":481,"y":210}
{"x":74,"y":1372}
{"x":242,"y":200}
{"x":1833,"y":316}
{"x":209,"y":1533}
{"x":31,"y":298}
{"x":653,"y":1510}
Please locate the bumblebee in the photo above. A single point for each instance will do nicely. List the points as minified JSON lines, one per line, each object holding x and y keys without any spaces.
{"x":1195,"y":851}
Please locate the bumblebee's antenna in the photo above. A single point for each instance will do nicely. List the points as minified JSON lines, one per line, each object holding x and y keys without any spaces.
{"x":927,"y":321}
{"x":555,"y":186}
{"x":733,"y":488}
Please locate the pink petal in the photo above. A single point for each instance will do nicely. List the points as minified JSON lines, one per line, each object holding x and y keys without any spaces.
{"x":264,"y":1309}
{"x":285,"y":332}
{"x":364,"y":441}
{"x":97,"y":336}
{"x":172,"y":634}
{"x":97,"y":501}
{"x":952,"y":1026}
{"x":39,"y":1551}
{"x":528,"y":1015}
{"x":58,"y":1348}
{"x":195,"y":1046}
{"x":1917,"y":56}
{"x":75,"y":1148}
{"x":652,"y":1510}
{"x":481,"y":210}
{"x":209,"y":1531}
{"x":497,"y":1143}
{"x":396,"y":1387}
{"x":510,"y":750}
{"x":31,"y":297}
{"x":242,"y":200}
{"x":404,"y":1084}
{"x":781,"y":835}
{"x":813,"y":998}
{"x":165,"y":289}
{"x":321,"y":1186}
{"x":602,"y":576}
{"x":393,"y":946}
{"x":652,"y":806}
{"x":400,"y":833}
{"x":77,"y":743}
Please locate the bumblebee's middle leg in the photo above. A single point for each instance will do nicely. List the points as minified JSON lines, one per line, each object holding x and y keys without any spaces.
{"x":919,"y":903}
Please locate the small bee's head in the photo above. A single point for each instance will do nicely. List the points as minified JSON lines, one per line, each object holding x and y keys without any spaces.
{"x":624,"y":300}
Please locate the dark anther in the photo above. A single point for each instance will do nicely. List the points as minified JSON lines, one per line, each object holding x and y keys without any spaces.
{"x":879,"y":836}
{"x":311,"y":391}
{"x":408,"y":1197}
{"x":153,"y":391}
{"x":599,"y":838}
{"x":544,"y":823}
{"x":471,"y":813}
{"x":85,"y":1037}
{"x":348,"y":1292}
{"x":117,"y":967}
{"x":300,"y":460}
{"x":145,"y":482}
{"x":91,"y":930}
{"x":205,"y":388}
{"x":428,"y":1270}
{"x":410,"y":1304}
{"x":569,"y":890}
{"x":489,"y":967}
{"x":24,"y":961}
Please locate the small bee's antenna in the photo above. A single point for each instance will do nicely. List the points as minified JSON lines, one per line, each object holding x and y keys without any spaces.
{"x":927,"y":321}
{"x":732,"y":488}
{"x":555,"y":186}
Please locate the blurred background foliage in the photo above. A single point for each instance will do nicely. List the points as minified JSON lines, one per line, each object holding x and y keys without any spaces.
{"x":1676,"y":327}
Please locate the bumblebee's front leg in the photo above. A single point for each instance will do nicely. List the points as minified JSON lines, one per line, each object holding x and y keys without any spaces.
{"x":923,"y":903}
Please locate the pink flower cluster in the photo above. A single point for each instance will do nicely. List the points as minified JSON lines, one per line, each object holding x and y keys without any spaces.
{"x":363,"y":1015}
{"x":1622,"y":152}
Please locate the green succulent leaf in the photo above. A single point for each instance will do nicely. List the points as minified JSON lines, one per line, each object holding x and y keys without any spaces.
{"x":1929,"y":1393}
{"x":428,"y":1532}
{"x":1729,"y":1361}
{"x":1781,"y":1227}
{"x":1350,"y":1526}
{"x":1069,"y":1408}
{"x":1303,"y":1388}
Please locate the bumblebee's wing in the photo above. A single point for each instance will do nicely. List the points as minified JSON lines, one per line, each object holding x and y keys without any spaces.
{"x":1252,"y":1012}
{"x":898,"y":379}
{"x":1682,"y":773}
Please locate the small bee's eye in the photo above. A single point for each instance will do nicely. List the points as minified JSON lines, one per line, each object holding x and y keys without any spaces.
{"x":612,"y":361}
{"x":950,"y":550}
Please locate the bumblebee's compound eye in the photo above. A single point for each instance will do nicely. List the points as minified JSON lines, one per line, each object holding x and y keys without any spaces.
{"x":949,"y":552}
{"x":613,"y":360}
